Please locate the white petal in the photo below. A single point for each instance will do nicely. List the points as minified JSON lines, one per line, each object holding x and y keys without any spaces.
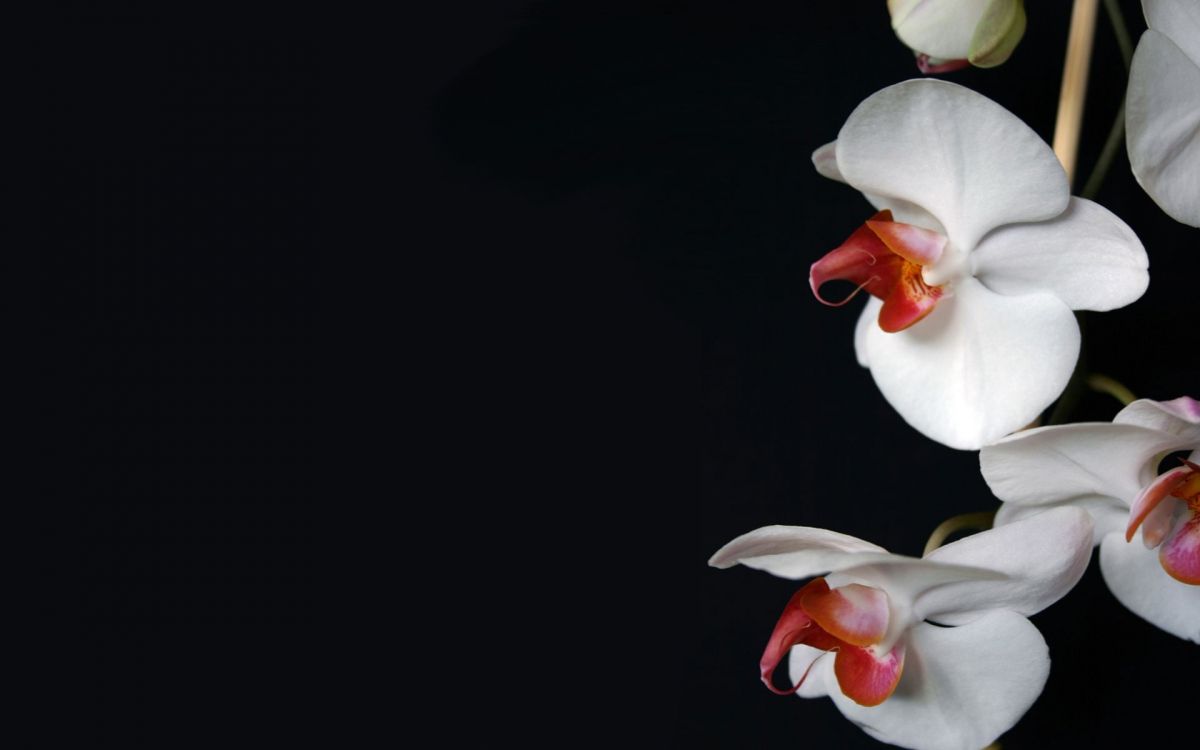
{"x":962,"y":687}
{"x":1162,"y":126}
{"x":1086,"y":256}
{"x":789,"y":546}
{"x":1048,"y":464}
{"x":1137,"y":579}
{"x":939,"y":28}
{"x":820,"y":677}
{"x":1179,"y":20}
{"x":980,"y":366}
{"x":825,"y":160}
{"x":1179,"y":417}
{"x":1108,"y":515}
{"x":956,"y":154}
{"x":868,"y":319}
{"x":799,"y":552}
{"x":1043,"y":557}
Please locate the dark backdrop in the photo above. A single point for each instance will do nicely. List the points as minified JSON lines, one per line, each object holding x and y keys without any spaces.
{"x":439,"y":351}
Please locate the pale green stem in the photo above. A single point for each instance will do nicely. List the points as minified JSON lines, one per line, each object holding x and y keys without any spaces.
{"x":982,"y":521}
{"x":1105,"y":384}
{"x":1116,"y":133}
{"x":1116,"y":137}
{"x":1120,"y":30}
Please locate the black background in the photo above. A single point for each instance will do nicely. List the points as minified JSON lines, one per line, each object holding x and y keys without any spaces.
{"x":440,"y":351}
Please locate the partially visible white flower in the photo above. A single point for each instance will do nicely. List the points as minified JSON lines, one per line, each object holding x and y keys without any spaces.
{"x":974,"y":262}
{"x":904,"y":680}
{"x":1111,"y":470}
{"x":947,"y":35}
{"x":1162,"y":108}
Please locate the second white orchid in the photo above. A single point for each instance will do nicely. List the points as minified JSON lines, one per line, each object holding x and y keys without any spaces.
{"x":1112,"y":471}
{"x":975,"y":261}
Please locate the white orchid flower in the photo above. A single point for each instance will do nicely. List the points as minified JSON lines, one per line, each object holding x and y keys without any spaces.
{"x":902,"y":679}
{"x":947,"y":35}
{"x":1162,"y":108}
{"x":975,"y":261}
{"x":1111,"y":470}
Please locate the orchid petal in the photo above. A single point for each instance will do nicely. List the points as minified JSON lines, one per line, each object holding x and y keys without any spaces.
{"x":811,"y":672}
{"x":1180,"y":21}
{"x":1055,"y":547}
{"x":1050,"y":464}
{"x":779,"y":541}
{"x":1137,"y":579}
{"x":866,"y":679}
{"x":1179,"y":417}
{"x":854,"y":613}
{"x":799,"y":552}
{"x":939,"y":28}
{"x":825,"y":160}
{"x":867,"y":320}
{"x":1162,"y":124}
{"x":998,"y":33}
{"x":1149,"y":498}
{"x":1087,"y":257}
{"x":1108,"y":514}
{"x":985,"y":170}
{"x":1180,"y":554}
{"x":980,"y":366}
{"x":961,"y":688}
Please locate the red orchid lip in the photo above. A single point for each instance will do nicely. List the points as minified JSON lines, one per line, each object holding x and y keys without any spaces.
{"x":885,"y":258}
{"x":847,"y":621}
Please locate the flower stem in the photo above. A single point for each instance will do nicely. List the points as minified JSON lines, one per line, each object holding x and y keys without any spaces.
{"x":1074,"y":84}
{"x":1104,"y":384}
{"x":982,"y":521}
{"x":1117,"y":19}
{"x":1116,"y":133}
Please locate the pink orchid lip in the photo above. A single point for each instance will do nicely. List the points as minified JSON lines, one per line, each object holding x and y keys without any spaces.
{"x":1180,"y":554}
{"x":813,"y":616}
{"x":1178,"y":542}
{"x":886,"y":258}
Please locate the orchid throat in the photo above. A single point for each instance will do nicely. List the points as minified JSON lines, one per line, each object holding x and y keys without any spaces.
{"x":1172,"y":527}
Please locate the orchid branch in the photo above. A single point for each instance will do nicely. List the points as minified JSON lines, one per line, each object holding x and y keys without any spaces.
{"x":1104,"y":384}
{"x":1117,"y":20}
{"x":981,"y":521}
{"x":1116,"y":132}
